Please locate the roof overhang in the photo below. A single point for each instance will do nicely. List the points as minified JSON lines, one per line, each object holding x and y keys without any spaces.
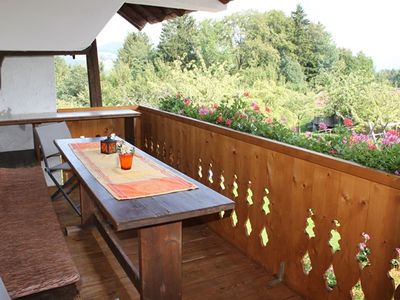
{"x":72,"y":25}
{"x":200,"y":5}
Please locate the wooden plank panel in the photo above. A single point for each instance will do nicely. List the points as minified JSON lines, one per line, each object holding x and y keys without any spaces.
{"x":383,"y":224}
{"x":258,"y":174}
{"x":324,"y":206}
{"x":300,"y":199}
{"x":352,"y":213}
{"x":92,"y":128}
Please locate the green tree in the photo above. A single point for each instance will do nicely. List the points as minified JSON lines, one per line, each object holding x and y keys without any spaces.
{"x":71,"y":83}
{"x":392,"y":76}
{"x":259,"y":41}
{"x":315,"y":49}
{"x":355,"y":63}
{"x":177,"y":40}
{"x":136,"y":52}
{"x":117,"y":86}
{"x":292,"y":72}
{"x":301,"y":35}
{"x":214,"y":43}
{"x":359,"y":96}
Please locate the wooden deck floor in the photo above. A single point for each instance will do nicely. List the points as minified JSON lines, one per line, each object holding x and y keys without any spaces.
{"x":212,"y":268}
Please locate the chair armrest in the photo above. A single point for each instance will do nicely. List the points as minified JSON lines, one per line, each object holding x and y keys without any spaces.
{"x":3,"y":292}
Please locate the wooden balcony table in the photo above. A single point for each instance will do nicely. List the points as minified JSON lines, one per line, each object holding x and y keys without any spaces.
{"x":158,"y":220}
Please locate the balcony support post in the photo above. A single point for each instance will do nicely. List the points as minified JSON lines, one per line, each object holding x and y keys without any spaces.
{"x":93,"y":69}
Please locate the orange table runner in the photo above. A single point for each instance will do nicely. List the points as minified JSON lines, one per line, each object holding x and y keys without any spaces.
{"x":146,"y":178}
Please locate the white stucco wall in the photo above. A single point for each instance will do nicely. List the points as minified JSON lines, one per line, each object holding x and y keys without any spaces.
{"x":27,"y":86}
{"x":53,"y":25}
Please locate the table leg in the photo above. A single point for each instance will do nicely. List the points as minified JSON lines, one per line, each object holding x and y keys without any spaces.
{"x":160,"y":259}
{"x":129,"y":130}
{"x":87,"y":206}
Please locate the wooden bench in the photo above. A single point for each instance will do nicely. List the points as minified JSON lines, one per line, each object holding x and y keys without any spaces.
{"x":34,"y":258}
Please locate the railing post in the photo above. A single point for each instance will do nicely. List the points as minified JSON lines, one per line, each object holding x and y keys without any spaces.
{"x":138,"y":132}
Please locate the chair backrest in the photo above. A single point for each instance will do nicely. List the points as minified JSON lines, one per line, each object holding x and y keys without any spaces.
{"x":50,"y":132}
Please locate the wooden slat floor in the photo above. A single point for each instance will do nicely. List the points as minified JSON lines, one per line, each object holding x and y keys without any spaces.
{"x":212,"y":268}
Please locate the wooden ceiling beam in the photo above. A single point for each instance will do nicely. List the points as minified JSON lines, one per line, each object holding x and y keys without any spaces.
{"x":157,"y":13}
{"x":129,"y":14}
{"x":140,"y":15}
{"x":142,"y":11}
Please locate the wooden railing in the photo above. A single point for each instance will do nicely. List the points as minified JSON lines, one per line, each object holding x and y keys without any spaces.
{"x":280,"y":191}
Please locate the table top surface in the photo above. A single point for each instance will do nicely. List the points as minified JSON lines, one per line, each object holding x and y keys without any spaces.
{"x":9,"y":119}
{"x":147,"y":211}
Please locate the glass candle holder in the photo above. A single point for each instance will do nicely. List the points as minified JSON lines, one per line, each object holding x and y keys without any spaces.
{"x":125,"y":161}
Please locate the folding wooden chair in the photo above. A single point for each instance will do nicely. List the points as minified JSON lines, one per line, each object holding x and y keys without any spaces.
{"x":46,"y":135}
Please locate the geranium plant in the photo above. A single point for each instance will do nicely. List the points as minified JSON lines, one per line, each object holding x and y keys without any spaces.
{"x":364,"y":251}
{"x":243,"y":114}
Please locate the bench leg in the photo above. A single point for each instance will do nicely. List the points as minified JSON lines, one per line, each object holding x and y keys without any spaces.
{"x":160,"y":259}
{"x":87,"y":206}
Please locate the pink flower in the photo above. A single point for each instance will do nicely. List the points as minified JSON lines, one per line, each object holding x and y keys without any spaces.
{"x":362,"y":246}
{"x":228,"y":122}
{"x":255,"y":106}
{"x":187,"y":101}
{"x":308,"y":134}
{"x":391,"y":137}
{"x":267,"y":109}
{"x":358,"y":138}
{"x":365,"y":236}
{"x":203,"y":111}
{"x":333,"y":152}
{"x":269,"y":120}
{"x":322,"y":126}
{"x":220,"y":119}
{"x":397,"y":172}
{"x":394,"y":132}
{"x":347,"y":122}
{"x":371,"y":146}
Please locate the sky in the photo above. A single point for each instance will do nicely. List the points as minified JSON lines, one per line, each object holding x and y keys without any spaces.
{"x":369,"y":26}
